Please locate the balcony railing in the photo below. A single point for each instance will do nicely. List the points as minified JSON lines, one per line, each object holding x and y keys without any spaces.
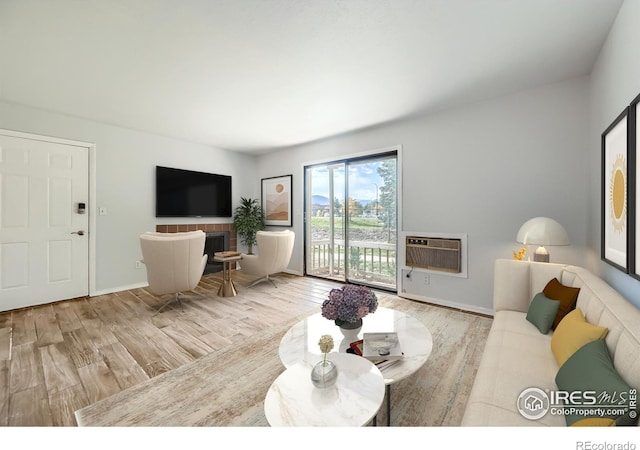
{"x":373,"y":262}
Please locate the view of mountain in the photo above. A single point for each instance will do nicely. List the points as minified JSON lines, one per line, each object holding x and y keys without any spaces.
{"x":321,"y":200}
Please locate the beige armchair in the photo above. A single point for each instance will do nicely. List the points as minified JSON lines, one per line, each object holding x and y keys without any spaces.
{"x":274,"y":253}
{"x":175,"y":262}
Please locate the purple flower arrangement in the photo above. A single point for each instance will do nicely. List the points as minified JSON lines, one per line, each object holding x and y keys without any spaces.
{"x":349,"y":304}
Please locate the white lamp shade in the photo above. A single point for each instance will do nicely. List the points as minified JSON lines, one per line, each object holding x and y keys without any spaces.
{"x":542,"y":231}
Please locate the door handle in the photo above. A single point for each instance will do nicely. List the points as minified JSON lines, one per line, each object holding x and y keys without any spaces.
{"x":79,"y":233}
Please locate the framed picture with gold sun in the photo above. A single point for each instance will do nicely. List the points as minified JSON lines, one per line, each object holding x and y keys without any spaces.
{"x":634,"y":189}
{"x":615,"y":192}
{"x":276,"y":200}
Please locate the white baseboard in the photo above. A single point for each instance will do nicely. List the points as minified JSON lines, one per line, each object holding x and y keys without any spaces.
{"x":293,"y":272}
{"x":421,"y":298}
{"x":118,"y":289}
{"x":145,"y":284}
{"x":449,"y":304}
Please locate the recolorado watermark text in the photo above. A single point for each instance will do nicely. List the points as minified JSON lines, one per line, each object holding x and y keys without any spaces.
{"x":590,"y":445}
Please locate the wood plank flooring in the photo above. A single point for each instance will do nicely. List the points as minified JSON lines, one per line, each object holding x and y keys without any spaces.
{"x":58,"y":358}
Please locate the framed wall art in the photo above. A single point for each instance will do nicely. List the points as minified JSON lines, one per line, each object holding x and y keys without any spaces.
{"x":615,"y":190}
{"x":634,"y":218}
{"x":276,"y":200}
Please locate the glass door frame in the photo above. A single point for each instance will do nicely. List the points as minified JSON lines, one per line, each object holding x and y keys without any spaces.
{"x":390,"y":151}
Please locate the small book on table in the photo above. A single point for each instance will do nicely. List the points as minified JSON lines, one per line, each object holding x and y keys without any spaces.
{"x":378,"y":347}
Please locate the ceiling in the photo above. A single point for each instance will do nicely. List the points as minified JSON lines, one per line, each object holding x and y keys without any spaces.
{"x":257,"y":75}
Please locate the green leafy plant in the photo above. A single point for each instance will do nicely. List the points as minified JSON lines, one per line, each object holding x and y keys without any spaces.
{"x":248,"y":219}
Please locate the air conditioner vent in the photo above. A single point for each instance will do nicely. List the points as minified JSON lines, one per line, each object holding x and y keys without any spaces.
{"x":434,"y":253}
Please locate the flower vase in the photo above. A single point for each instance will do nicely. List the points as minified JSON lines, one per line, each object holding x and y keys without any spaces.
{"x":324,"y":374}
{"x":351,"y":325}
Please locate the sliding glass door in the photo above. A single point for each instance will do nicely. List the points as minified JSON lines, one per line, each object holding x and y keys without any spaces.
{"x":325,"y":225}
{"x":351,"y":220}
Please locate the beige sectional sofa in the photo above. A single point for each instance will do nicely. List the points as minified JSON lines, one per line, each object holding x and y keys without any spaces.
{"x":518,"y":356}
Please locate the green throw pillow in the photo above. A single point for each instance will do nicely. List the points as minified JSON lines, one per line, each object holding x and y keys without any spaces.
{"x":591,"y":369}
{"x":542,"y":312}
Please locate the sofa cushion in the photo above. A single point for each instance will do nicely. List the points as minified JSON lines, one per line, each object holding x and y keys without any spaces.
{"x":572,"y":333}
{"x":590,"y":368}
{"x":566,"y":295}
{"x":542,"y":312}
{"x":507,"y":369}
{"x":515,"y":285}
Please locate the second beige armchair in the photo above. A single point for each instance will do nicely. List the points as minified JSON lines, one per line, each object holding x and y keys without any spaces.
{"x":274,"y":253}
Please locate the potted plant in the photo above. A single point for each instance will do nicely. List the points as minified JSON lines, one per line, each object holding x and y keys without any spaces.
{"x":248,"y":219}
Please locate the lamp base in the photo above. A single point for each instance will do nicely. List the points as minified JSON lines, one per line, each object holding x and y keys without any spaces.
{"x":541,"y":255}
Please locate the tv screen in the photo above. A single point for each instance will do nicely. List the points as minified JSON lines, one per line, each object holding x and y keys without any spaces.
{"x":185,"y":193}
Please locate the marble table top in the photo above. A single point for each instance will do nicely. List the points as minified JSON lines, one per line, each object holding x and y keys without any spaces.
{"x":293,"y":400}
{"x":300,"y":344}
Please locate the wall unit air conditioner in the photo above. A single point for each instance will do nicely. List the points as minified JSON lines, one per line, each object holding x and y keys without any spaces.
{"x":434,"y":253}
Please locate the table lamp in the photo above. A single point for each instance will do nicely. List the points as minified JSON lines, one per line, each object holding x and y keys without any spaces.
{"x":542,"y":231}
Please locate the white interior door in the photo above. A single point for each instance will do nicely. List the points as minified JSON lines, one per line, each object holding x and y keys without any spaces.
{"x":44,"y":245}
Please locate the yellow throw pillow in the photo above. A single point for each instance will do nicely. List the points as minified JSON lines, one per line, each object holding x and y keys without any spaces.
{"x":572,"y":333}
{"x":595,"y":422}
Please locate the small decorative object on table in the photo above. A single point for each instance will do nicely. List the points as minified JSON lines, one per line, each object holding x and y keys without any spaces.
{"x":381,"y":345}
{"x":325,"y":373}
{"x":348,"y":305}
{"x":520,"y":255}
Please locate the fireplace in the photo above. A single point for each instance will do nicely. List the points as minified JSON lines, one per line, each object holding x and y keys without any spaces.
{"x":223,"y":237}
{"x":217,"y":241}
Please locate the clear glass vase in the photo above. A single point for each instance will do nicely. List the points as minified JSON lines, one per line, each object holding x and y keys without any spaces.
{"x":324,"y":374}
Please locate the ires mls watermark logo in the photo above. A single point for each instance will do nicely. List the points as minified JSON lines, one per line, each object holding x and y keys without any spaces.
{"x":534,"y":403}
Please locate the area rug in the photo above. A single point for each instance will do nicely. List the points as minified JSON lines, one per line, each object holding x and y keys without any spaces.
{"x":228,"y":387}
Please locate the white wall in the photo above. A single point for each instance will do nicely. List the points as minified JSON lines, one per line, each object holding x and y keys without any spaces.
{"x":480,"y":170}
{"x":125,"y":180}
{"x":615,"y":82}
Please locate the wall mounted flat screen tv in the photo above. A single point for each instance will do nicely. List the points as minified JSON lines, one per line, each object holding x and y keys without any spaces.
{"x":186,"y":193}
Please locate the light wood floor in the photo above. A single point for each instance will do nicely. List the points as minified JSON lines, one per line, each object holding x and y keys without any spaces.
{"x":58,"y":358}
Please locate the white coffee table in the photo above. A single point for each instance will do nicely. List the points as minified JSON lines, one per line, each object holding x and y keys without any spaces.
{"x":293,"y":400}
{"x":300,"y":343}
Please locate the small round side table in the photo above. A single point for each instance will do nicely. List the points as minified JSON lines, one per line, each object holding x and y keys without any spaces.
{"x":293,"y":400}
